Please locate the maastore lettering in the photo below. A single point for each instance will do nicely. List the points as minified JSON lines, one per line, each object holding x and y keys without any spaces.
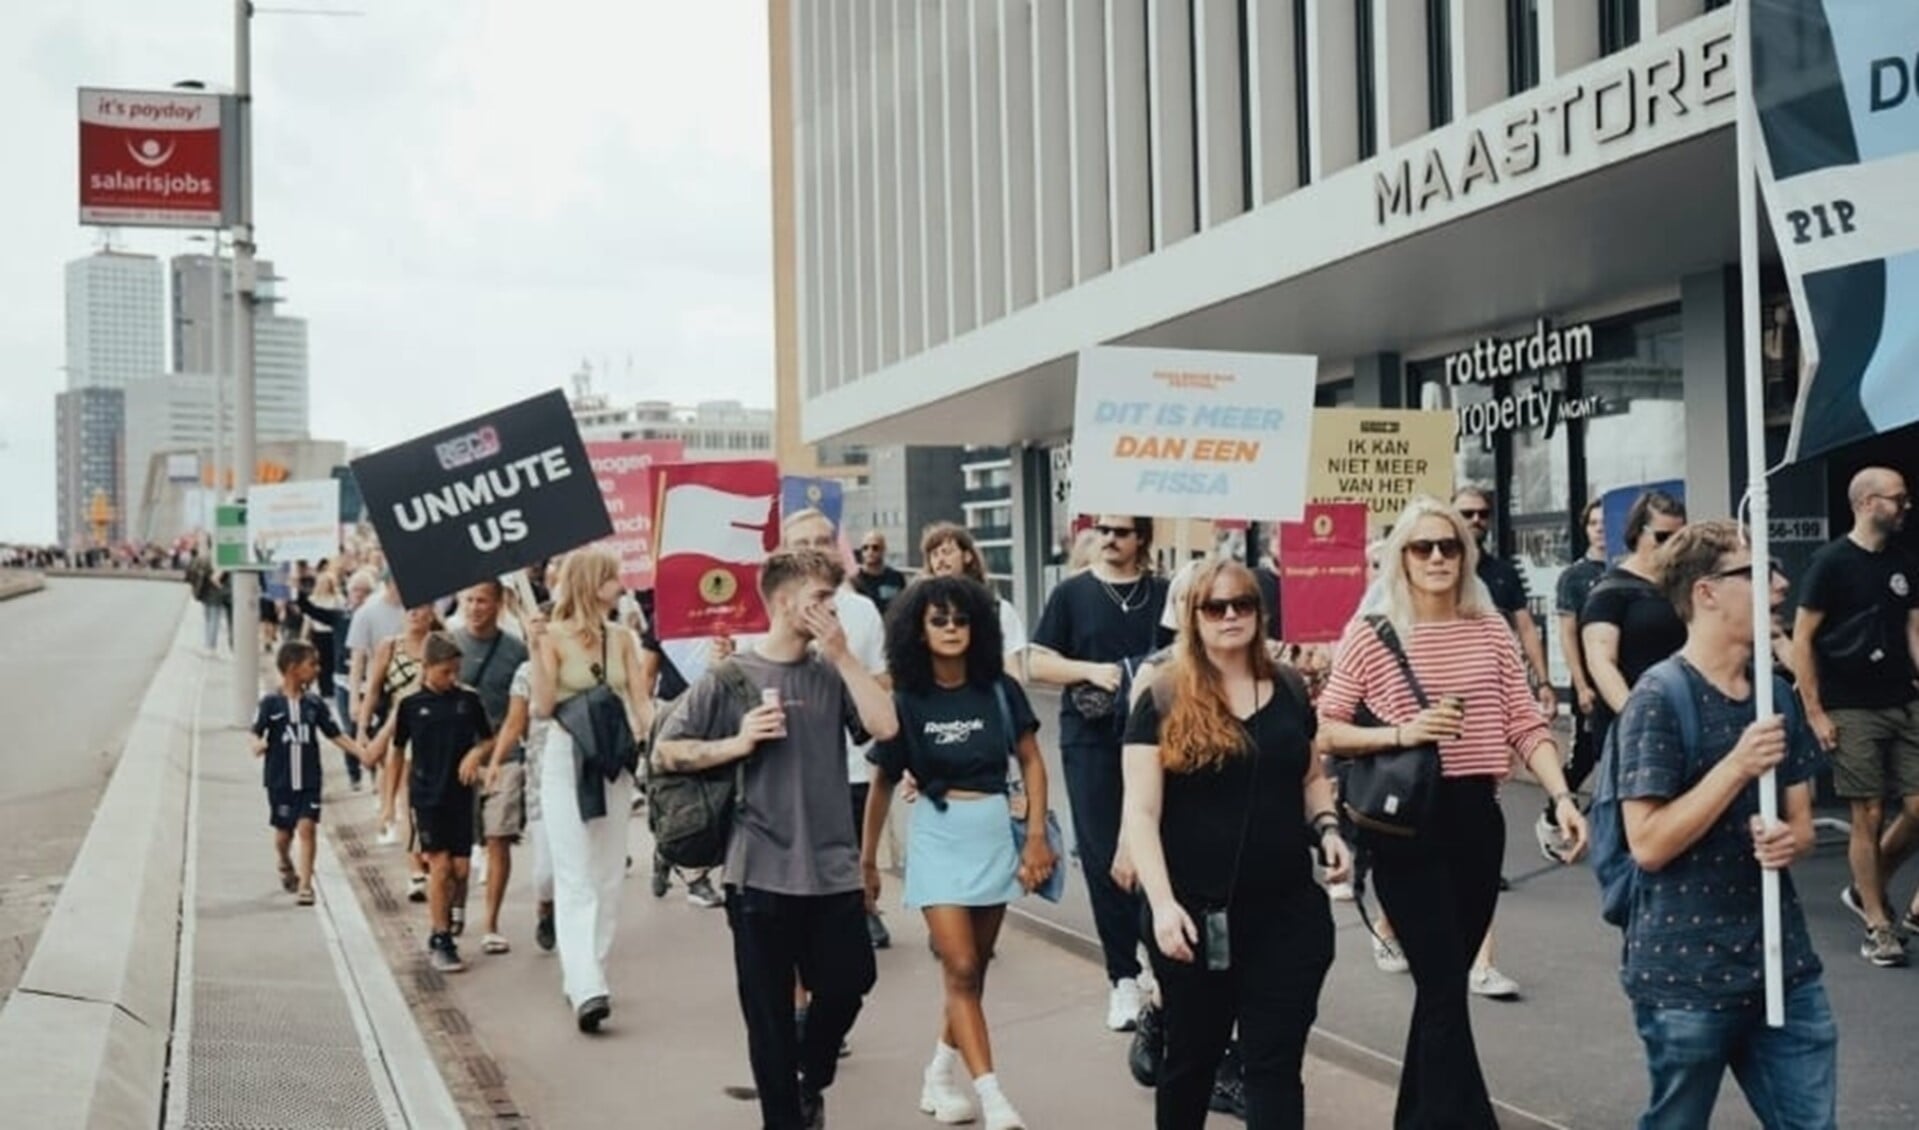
{"x":1665,"y":87}
{"x":488,"y":488}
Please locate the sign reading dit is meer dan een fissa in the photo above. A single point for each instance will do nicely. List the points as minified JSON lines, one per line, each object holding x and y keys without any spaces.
{"x":482,"y":497}
{"x":1177,"y":433}
{"x":1383,"y":457}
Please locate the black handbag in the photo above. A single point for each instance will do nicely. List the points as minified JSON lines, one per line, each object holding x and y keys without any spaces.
{"x":1392,"y":793}
{"x":1855,"y":645}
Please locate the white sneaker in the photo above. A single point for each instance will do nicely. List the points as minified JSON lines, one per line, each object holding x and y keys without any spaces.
{"x":948,"y":1102}
{"x":1486,"y":981}
{"x":1000,"y":1115}
{"x":1339,"y":892}
{"x":1123,"y":1005}
{"x":1388,"y":956}
{"x":386,"y":838}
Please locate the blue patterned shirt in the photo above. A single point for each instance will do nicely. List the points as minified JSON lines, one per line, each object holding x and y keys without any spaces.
{"x":1694,"y":939}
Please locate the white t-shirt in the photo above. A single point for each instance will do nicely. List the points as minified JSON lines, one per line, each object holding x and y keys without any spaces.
{"x":376,"y":620}
{"x":1011,"y":627}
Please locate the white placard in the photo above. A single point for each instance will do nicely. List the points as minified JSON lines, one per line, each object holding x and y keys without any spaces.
{"x":1180,"y":433}
{"x":294,"y":521}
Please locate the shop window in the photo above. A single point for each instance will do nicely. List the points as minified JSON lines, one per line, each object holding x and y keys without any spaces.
{"x":1618,"y":25}
{"x":1522,"y":45}
{"x":1303,"y":118}
{"x":1636,"y":432}
{"x":1779,"y":357}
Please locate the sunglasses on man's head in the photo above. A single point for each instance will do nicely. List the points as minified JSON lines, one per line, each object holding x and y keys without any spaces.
{"x":1115,"y":531}
{"x":944,"y":620}
{"x":1449,"y":548}
{"x":1238,"y":605}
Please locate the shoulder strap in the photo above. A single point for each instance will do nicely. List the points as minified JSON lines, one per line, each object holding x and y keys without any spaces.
{"x":1671,"y":681}
{"x":1006,"y":716}
{"x":1383,"y":628}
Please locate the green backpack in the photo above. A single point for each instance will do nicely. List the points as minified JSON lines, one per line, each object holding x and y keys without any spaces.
{"x":691,"y":814}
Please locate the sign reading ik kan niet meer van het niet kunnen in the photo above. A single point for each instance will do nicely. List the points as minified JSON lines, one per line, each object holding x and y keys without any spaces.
{"x":483,"y":497}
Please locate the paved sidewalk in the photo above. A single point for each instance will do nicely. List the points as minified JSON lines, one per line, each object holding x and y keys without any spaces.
{"x":676,"y":1045}
{"x":285,"y":1016}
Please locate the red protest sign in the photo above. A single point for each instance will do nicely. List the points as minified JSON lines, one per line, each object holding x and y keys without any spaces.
{"x":624,"y":469}
{"x":717,"y":522}
{"x":151,"y":158}
{"x":1322,"y":570}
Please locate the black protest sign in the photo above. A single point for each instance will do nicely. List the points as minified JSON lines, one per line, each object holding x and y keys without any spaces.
{"x":482,"y":497}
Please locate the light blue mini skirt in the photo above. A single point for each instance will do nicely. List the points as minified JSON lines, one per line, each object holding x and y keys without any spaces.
{"x":963,"y":856}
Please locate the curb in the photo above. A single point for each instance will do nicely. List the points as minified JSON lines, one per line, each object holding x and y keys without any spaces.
{"x":20,"y":584}
{"x":83,"y":1039}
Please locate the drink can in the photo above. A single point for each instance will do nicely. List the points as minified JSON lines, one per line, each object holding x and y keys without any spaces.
{"x":1454,"y":702}
{"x":770,"y":696}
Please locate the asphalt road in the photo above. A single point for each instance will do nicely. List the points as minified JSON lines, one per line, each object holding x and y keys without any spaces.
{"x":1567,"y":1051}
{"x":75,"y":660}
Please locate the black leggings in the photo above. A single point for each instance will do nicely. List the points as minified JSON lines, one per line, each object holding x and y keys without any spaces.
{"x":1440,"y":891}
{"x":1282,"y":946}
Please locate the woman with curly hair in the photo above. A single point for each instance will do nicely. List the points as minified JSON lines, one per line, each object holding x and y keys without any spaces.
{"x":1225,"y":804}
{"x":961,"y":716}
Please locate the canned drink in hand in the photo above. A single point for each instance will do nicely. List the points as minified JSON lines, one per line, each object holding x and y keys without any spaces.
{"x":1453,"y":702}
{"x":770,"y":696}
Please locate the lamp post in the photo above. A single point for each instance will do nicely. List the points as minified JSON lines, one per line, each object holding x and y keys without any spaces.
{"x":246,"y":583}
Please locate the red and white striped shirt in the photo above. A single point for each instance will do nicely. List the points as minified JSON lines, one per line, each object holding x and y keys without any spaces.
{"x":1476,"y":659}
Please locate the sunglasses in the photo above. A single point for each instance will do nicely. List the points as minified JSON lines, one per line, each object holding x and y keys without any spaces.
{"x":1475,"y":513}
{"x":872,"y":549}
{"x":1115,"y":531}
{"x":939,"y":620}
{"x":1661,"y":537}
{"x":1747,"y":570}
{"x":1238,"y":606}
{"x":1449,"y":548}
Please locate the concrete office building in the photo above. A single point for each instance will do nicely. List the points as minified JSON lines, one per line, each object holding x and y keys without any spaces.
{"x":711,"y":429}
{"x":89,"y":466}
{"x":116,"y":332}
{"x":282,"y":379}
{"x":966,"y":194}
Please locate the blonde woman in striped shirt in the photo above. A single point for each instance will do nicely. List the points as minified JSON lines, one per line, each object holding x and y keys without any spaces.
{"x":1440,"y":889}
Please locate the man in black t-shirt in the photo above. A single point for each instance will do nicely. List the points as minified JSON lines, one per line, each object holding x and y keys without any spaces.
{"x":1856,"y":642}
{"x":875,"y":579}
{"x":1508,"y":588}
{"x":1095,"y":628}
{"x":1575,"y":585}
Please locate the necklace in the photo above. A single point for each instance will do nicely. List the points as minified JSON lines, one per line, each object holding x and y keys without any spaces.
{"x":1125,"y":603}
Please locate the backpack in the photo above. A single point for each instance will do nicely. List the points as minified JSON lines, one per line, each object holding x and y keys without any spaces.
{"x":691,"y":814}
{"x":1612,"y":862}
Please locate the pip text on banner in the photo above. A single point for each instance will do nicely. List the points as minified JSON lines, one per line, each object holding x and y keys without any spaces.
{"x":1178,"y":433}
{"x":482,"y":497}
{"x":717,"y":522}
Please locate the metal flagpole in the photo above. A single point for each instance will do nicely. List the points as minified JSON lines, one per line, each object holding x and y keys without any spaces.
{"x":1758,"y":500}
{"x":246,"y":582}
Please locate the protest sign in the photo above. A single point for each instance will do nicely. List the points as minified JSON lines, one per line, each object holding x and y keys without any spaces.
{"x":482,"y":497}
{"x":1322,"y":570}
{"x":717,"y":522}
{"x":798,"y":493}
{"x":624,"y":471}
{"x":294,"y":521}
{"x":1383,"y":457}
{"x":1178,"y":433}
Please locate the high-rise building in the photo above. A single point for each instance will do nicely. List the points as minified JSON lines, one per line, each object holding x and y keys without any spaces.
{"x":116,"y":328}
{"x":282,"y":401}
{"x":168,"y":415}
{"x":87,"y":451}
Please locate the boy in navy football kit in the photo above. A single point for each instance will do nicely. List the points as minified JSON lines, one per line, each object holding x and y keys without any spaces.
{"x":443,"y":727}
{"x":287,"y":727}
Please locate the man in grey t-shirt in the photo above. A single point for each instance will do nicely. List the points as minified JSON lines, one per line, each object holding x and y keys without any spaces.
{"x":794,"y":897}
{"x":489,"y":655}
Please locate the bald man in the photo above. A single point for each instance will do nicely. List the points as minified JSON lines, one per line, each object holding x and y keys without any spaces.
{"x":1856,"y":651}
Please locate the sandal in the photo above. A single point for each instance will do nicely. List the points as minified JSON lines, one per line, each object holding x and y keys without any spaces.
{"x":305,"y":897}
{"x":289,"y":878}
{"x":494,"y":943}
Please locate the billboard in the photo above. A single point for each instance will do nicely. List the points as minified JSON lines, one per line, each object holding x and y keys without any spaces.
{"x":153,"y":158}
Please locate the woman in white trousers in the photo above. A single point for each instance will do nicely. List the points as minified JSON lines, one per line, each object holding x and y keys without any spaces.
{"x":577,"y":651}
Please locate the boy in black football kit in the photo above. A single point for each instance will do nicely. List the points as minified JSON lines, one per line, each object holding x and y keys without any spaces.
{"x":444,"y":727}
{"x":287,"y":726}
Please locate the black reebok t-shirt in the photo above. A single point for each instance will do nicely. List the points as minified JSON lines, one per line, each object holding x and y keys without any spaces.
{"x":1503,"y":581}
{"x":1844,"y":581}
{"x":954,"y":738}
{"x":439,"y":728}
{"x":1650,"y":629}
{"x":1090,"y":620}
{"x":1202,"y":813}
{"x":293,"y":732}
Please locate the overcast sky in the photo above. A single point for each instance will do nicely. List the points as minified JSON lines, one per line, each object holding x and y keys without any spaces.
{"x":465,"y":197}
